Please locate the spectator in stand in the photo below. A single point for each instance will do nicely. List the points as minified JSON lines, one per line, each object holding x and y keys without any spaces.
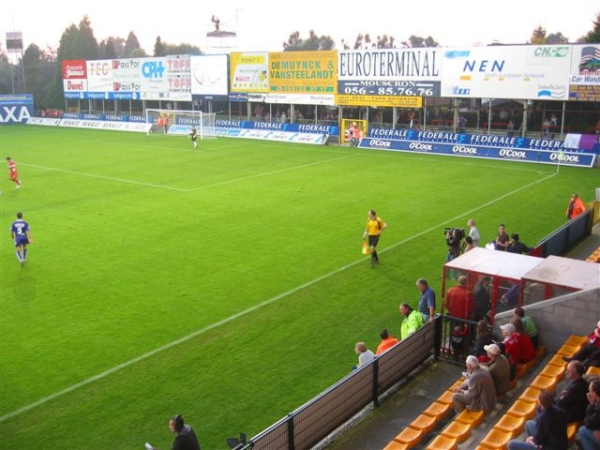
{"x":499,"y":369}
{"x":510,"y":298}
{"x":386,"y":343}
{"x":575,"y":208}
{"x":548,"y":431}
{"x":453,"y":241}
{"x":527,"y":350}
{"x":516,"y":246}
{"x":411,"y":322}
{"x":502,"y":239}
{"x":589,"y":352}
{"x":364,"y":354}
{"x":469,"y":244}
{"x":484,"y":337}
{"x":477,"y":393}
{"x":512,"y":349}
{"x":458,"y":302}
{"x":481,"y":298}
{"x":573,"y":398}
{"x":588,"y":435}
{"x":528,"y":325}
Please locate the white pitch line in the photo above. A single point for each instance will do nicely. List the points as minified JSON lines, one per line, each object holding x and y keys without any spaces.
{"x":249,"y":310}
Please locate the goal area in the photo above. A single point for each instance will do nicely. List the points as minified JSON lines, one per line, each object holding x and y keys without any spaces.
{"x":163,"y":119}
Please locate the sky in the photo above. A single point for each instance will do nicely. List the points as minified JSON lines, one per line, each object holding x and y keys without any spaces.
{"x":263,"y":25}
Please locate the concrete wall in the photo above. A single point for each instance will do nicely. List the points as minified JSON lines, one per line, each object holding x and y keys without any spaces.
{"x":558,"y":318}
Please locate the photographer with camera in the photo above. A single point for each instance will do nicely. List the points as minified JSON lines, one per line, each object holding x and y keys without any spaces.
{"x":454,"y":238}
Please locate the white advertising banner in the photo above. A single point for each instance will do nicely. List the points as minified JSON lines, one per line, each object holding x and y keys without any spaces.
{"x":584,"y":80}
{"x":528,"y":72}
{"x":100,"y":75}
{"x":209,"y":75}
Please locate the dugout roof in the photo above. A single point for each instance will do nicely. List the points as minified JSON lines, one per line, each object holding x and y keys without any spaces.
{"x":565,"y":272}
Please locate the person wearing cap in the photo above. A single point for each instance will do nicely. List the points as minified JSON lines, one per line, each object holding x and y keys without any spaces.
{"x":499,"y":369}
{"x":477,"y":393}
{"x":386,"y":343}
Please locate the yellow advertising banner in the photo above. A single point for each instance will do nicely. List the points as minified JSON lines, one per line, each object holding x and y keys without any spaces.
{"x":379,"y":100}
{"x":248,"y":72}
{"x":303,"y":72}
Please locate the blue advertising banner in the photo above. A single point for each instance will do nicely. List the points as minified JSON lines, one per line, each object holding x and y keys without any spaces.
{"x":276,"y":126}
{"x":16,"y":108}
{"x":439,"y":147}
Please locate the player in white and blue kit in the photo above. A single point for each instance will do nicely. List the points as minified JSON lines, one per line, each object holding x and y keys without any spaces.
{"x":19,"y":231}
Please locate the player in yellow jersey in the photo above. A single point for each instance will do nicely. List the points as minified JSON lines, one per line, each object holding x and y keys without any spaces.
{"x":375,"y":225}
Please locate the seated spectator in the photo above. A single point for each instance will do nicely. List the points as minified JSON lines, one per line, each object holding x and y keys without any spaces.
{"x":513,"y":366}
{"x":516,"y":246}
{"x":386,"y":343}
{"x":588,"y":435}
{"x":477,"y":393}
{"x":589,"y":352}
{"x":512,"y":349}
{"x":483,"y":337}
{"x":548,"y":431}
{"x":527,"y":350}
{"x":499,"y":369}
{"x":364,"y":355}
{"x":411,"y":322}
{"x":528,"y":325}
{"x":573,"y":398}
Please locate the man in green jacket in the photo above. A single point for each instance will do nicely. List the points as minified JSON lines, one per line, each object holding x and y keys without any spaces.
{"x":413,"y":320}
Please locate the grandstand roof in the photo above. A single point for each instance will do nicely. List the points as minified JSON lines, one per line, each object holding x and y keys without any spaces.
{"x":566,"y":272}
{"x":495,"y":263}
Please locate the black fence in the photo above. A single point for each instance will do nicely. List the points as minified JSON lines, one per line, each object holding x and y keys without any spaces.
{"x":318,"y":418}
{"x":564,"y":238}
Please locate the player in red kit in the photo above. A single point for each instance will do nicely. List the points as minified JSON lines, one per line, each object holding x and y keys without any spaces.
{"x":14,"y":174}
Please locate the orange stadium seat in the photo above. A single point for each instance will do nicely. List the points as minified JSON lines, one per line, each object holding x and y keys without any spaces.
{"x":511,"y":424}
{"x":553,"y":371}
{"x":438,"y":410}
{"x":496,"y":439}
{"x":544,"y":383}
{"x":395,"y":445}
{"x":443,"y":443}
{"x":410,"y":436}
{"x":473,"y":418}
{"x":424,"y":422}
{"x":457,"y":430}
{"x":523,"y":409}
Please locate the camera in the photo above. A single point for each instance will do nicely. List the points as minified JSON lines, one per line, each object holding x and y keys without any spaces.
{"x":460,"y":232}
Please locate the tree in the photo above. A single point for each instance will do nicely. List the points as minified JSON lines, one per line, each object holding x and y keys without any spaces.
{"x":182,"y":49}
{"x":112,"y":48}
{"x":556,"y":39}
{"x":159,"y":48}
{"x":295,"y":43}
{"x":593,"y":37}
{"x":39,"y":66}
{"x":420,"y":42}
{"x":538,"y":37}
{"x":6,"y":74}
{"x":132,"y":45}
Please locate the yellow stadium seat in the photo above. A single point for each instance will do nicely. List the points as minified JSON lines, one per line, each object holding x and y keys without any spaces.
{"x":445,"y":398}
{"x":424,"y":422}
{"x":496,"y":439}
{"x":544,"y":383}
{"x":438,"y":410}
{"x":395,"y":445}
{"x":568,"y":350}
{"x":410,"y":436}
{"x":576,"y":340}
{"x":551,"y":370}
{"x":443,"y":443}
{"x":557,"y":360}
{"x":572,"y":431}
{"x":511,"y":424}
{"x":457,"y":383}
{"x":473,"y":418}
{"x":523,"y":409}
{"x":593,"y":371}
{"x":530,"y":395}
{"x":457,"y":430}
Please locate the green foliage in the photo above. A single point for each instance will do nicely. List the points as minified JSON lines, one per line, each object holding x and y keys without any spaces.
{"x":227,"y":281}
{"x":593,"y":37}
{"x":295,"y":43}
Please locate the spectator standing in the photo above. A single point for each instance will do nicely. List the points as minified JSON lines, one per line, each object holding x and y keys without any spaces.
{"x":426,"y":301}
{"x":501,"y":242}
{"x":481,"y":298}
{"x":386,"y":343}
{"x":458,"y":302}
{"x":483,"y":338}
{"x":527,"y":349}
{"x":373,"y":229}
{"x":575,"y":207}
{"x":364,"y":354}
{"x":516,"y":246}
{"x":473,"y":232}
{"x":411,"y":322}
{"x":185,"y":437}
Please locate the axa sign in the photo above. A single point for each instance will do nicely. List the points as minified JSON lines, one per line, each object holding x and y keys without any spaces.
{"x":14,"y":114}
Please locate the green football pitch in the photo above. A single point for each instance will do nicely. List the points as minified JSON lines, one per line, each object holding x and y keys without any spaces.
{"x":225,"y":283}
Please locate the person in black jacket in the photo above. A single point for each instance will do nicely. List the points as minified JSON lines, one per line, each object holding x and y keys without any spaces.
{"x":186,"y":438}
{"x":573,"y":398}
{"x":588,"y":435}
{"x":549,"y":431}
